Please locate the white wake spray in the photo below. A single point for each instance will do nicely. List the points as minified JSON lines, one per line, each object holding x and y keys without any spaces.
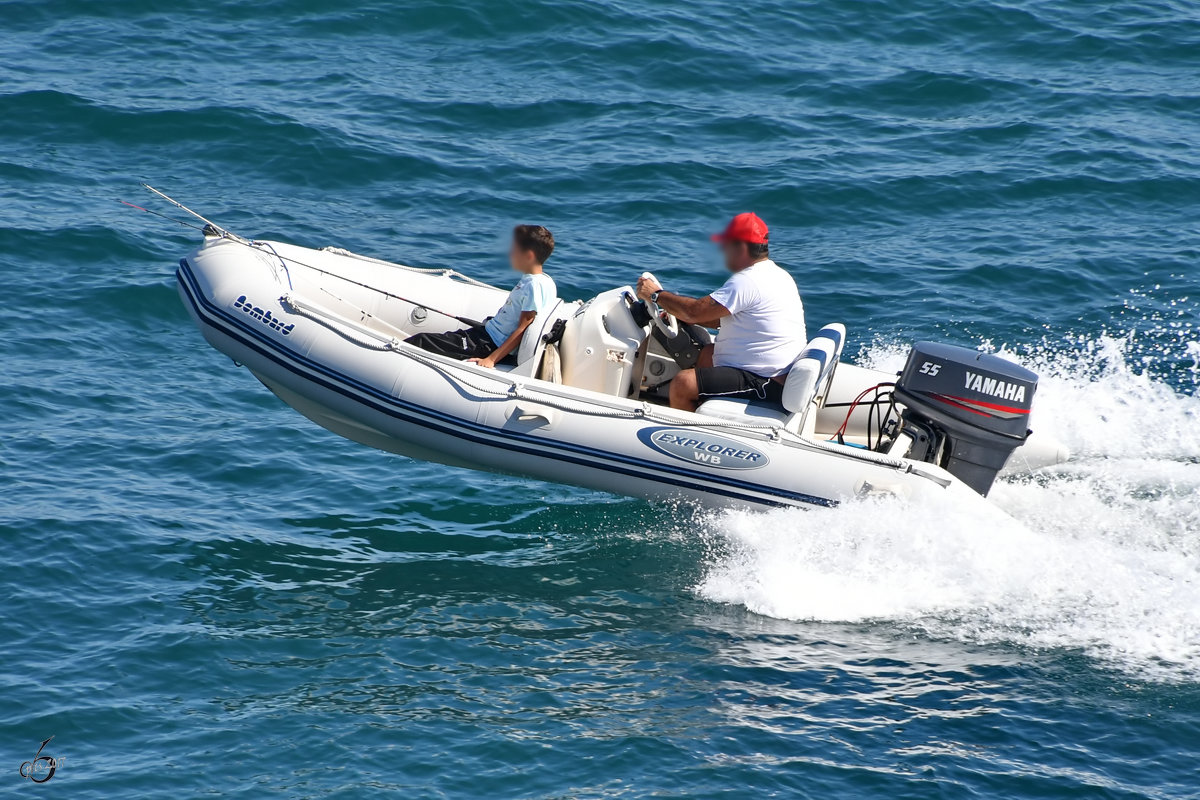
{"x":1100,"y":555}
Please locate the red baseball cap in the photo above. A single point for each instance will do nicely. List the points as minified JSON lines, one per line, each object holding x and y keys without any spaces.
{"x":746,"y":227}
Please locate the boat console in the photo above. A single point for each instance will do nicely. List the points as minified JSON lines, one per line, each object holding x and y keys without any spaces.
{"x":622,"y":346}
{"x":600,"y":344}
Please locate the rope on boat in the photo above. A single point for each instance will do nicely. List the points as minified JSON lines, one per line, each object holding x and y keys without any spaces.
{"x":510,"y":388}
{"x":443,"y":272}
{"x":516,"y":390}
{"x":513,"y":389}
{"x":646,"y":411}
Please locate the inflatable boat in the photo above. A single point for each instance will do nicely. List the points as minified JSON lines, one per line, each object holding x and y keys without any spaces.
{"x":586,"y":401}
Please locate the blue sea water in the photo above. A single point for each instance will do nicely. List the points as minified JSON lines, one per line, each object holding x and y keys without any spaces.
{"x":206,"y":595}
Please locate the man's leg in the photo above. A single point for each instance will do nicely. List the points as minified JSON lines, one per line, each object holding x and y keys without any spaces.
{"x":685,"y":391}
{"x":693,"y":386}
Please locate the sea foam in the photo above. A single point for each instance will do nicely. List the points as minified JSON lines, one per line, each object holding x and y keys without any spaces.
{"x":1100,"y":555}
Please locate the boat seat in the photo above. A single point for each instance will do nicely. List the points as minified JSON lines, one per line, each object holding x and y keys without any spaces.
{"x":811,"y":375}
{"x":533,"y":345}
{"x":740,"y":410}
{"x":807,"y":384}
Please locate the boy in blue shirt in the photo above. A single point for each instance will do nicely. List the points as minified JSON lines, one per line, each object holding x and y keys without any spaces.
{"x":500,"y":336}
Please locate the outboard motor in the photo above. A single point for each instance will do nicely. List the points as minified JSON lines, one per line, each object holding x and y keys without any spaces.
{"x":965,"y":410}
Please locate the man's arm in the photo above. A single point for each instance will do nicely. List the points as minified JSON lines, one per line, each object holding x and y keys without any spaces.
{"x":508,"y":345}
{"x":698,"y":311}
{"x":714,"y":324}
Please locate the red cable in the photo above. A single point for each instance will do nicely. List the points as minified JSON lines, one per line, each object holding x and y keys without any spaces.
{"x":846,"y":422}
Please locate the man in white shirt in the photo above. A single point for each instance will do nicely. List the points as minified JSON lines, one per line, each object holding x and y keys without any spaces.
{"x":760,"y":316}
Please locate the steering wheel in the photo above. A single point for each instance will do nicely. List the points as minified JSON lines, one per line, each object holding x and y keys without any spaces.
{"x":665,"y":322}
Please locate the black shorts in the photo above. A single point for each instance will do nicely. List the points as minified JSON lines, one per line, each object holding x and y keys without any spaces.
{"x":467,"y":343}
{"x":734,"y":382}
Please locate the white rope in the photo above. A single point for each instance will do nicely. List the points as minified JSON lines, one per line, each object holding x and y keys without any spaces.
{"x":511,"y":389}
{"x":447,"y":273}
{"x":360,"y":334}
{"x":515,"y":390}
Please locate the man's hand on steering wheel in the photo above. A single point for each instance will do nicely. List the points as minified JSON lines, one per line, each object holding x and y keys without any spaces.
{"x":647,"y":286}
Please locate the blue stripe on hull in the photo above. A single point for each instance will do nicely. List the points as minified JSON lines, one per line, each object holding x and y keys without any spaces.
{"x":355,"y":390}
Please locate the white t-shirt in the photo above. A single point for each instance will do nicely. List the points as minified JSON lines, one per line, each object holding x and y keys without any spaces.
{"x":532,"y":293}
{"x":764,"y":332}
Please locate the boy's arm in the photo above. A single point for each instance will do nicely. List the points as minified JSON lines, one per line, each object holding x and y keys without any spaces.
{"x":509,"y":344}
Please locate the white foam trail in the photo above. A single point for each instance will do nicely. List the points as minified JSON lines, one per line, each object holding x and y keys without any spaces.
{"x":1100,"y":555}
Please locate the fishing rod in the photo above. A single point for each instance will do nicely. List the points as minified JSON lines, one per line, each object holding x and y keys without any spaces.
{"x":180,"y":205}
{"x":211,"y":227}
{"x":163,"y":216}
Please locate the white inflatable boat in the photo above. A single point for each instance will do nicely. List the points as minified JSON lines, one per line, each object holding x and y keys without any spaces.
{"x":585,"y":403}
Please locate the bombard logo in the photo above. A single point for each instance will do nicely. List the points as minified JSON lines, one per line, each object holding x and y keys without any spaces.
{"x":246,"y":307}
{"x":705,"y":449}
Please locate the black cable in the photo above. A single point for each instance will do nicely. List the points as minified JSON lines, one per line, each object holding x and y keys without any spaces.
{"x":871,"y":427}
{"x":871,"y":416}
{"x":891,"y":409}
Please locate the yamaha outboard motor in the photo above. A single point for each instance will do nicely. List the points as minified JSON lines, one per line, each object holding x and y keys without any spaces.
{"x":966,"y":411}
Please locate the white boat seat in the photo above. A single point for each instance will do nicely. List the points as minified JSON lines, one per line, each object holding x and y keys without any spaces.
{"x":739,"y":410}
{"x":807,"y":384}
{"x":529,"y":353}
{"x":811,"y":375}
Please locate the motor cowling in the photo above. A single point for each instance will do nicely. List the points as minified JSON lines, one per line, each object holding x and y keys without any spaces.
{"x":965,"y":410}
